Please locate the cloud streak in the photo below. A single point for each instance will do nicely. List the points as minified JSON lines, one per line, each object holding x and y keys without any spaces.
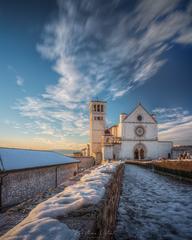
{"x":175,"y":124}
{"x":100,"y":45}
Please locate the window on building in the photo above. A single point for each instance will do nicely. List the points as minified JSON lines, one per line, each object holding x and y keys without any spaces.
{"x":139,"y":118}
{"x":101,"y":108}
{"x":98,"y":118}
{"x":98,"y":108}
{"x":94,"y":108}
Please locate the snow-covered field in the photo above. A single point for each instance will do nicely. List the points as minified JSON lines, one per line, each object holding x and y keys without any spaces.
{"x":43,"y":221}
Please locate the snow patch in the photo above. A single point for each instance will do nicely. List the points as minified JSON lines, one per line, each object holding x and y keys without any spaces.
{"x":42,"y":229}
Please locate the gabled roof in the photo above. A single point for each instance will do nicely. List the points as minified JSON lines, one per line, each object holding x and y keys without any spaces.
{"x":16,"y":159}
{"x":140,"y":105}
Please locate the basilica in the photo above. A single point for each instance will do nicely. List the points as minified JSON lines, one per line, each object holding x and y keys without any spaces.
{"x":134,"y":137}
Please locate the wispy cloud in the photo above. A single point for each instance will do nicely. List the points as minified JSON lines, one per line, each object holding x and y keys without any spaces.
{"x":102,"y":49}
{"x":185,"y":38}
{"x":19,"y":80}
{"x":175,"y":124}
{"x":99,"y":45}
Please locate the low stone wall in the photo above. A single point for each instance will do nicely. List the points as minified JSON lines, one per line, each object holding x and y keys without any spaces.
{"x":182,"y":165}
{"x":182,"y":168}
{"x":98,"y":222}
{"x":78,"y":212}
{"x":20,"y":185}
{"x":85,"y":162}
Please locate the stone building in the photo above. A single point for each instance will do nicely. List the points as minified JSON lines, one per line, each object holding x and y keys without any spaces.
{"x":24,"y":173}
{"x":85,"y":152}
{"x":135,"y":137}
{"x":97,"y":127}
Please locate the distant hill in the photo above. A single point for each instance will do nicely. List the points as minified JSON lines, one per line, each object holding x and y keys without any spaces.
{"x":65,"y":151}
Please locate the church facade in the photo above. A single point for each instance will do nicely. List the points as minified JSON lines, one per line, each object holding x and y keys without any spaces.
{"x":134,"y":137}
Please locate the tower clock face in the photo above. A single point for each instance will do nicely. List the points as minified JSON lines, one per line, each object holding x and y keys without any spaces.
{"x":139,"y":131}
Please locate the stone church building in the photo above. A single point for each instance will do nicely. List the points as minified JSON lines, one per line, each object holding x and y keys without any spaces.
{"x":134,"y":137}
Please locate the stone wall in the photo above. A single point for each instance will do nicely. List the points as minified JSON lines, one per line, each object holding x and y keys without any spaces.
{"x":64,"y":172}
{"x":98,"y":222}
{"x":183,"y":165}
{"x":181,"y":168}
{"x":20,"y":185}
{"x":85,"y":162}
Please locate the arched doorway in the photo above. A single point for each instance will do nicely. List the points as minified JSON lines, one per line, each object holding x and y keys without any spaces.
{"x":136,"y":154}
{"x":142,"y":153}
{"x":139,"y":152}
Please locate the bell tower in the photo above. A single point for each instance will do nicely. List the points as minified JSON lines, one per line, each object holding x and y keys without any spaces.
{"x":97,"y":127}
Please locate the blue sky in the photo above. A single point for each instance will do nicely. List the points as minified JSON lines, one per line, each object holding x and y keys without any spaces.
{"x":57,"y":56}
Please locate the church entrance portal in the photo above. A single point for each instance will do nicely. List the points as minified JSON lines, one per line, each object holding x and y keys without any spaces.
{"x":136,"y":154}
{"x":139,"y":152}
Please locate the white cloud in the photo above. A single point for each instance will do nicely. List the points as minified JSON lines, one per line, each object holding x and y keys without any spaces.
{"x":160,"y":32}
{"x":103,"y":45}
{"x":185,"y":38}
{"x":180,"y":134}
{"x":175,"y":124}
{"x":148,"y":11}
{"x":147,"y":69}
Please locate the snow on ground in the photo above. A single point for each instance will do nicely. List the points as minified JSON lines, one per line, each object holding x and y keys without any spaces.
{"x":41,"y":229}
{"x":42,"y":222}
